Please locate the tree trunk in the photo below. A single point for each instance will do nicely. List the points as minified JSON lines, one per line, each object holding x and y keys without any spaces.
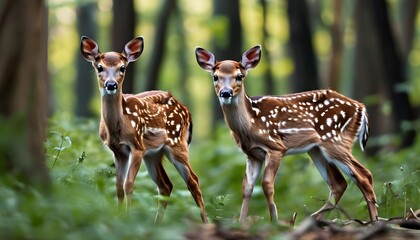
{"x":305,"y":74}
{"x":395,"y":74}
{"x":367,"y":85}
{"x":85,"y":80}
{"x":268,"y":75}
{"x":409,"y":9}
{"x":337,"y":46}
{"x":159,"y":44}
{"x":227,"y":44}
{"x":123,"y":26}
{"x":183,"y":56}
{"x":407,"y":25}
{"x":23,"y":88}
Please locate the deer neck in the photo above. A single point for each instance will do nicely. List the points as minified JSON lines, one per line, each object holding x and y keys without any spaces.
{"x":237,"y":114}
{"x":112,"y":112}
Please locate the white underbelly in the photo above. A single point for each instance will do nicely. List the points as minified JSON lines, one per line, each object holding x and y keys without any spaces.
{"x":302,"y":149}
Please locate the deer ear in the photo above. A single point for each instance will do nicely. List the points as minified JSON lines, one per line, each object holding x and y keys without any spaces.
{"x":251,"y":58}
{"x":133,"y":49}
{"x":89,"y":49}
{"x":205,"y":59}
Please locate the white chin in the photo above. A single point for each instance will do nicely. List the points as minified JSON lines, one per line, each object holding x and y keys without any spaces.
{"x":108,"y":92}
{"x":225,"y":101}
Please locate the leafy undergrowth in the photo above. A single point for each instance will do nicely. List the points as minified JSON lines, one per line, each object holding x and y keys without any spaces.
{"x":81,"y":201}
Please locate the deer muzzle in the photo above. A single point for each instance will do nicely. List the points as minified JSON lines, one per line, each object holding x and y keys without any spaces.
{"x":111,"y":87}
{"x":225,"y":95}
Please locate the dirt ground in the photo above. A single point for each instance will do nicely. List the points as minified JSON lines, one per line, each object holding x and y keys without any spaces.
{"x":397,"y":228}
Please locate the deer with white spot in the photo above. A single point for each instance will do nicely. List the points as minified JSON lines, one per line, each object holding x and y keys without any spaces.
{"x":145,"y":126}
{"x":322,"y":123}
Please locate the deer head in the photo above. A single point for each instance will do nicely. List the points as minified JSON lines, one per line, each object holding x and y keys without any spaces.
{"x":111,"y":66}
{"x":228,"y":76}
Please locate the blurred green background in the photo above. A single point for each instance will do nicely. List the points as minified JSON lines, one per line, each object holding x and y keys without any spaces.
{"x":344,"y":45}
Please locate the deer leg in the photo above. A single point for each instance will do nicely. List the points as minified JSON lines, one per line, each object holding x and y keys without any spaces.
{"x":332,"y":176}
{"x":165,"y":188}
{"x":253,"y":169}
{"x":271,"y":168}
{"x":133,"y":168}
{"x":364,"y":180}
{"x":158,"y":174}
{"x":346,"y":162}
{"x":121,"y":155}
{"x":179,"y":158}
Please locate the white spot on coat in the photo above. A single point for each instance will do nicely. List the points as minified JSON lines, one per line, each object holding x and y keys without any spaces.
{"x":256,"y":110}
{"x":263,"y":119}
{"x":329,"y":122}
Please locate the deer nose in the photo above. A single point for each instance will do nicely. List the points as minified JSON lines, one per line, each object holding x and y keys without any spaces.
{"x":226,"y":93}
{"x":111,"y":85}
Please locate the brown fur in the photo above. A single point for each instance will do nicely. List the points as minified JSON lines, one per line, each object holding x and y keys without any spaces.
{"x":145,"y":126}
{"x":323,"y":123}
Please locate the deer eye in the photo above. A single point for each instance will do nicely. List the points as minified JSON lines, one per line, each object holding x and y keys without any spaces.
{"x":215,"y":78}
{"x":122,"y":69}
{"x":99,"y":68}
{"x":239,"y":77}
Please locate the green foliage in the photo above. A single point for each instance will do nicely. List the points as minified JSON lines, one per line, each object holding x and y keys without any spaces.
{"x":82,"y":203}
{"x":402,"y":192}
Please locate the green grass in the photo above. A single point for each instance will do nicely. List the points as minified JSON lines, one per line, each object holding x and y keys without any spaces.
{"x":82,"y":203}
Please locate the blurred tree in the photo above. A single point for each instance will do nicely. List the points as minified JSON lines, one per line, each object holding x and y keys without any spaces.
{"x":305,"y":72}
{"x":85,"y":80}
{"x":123,"y":26}
{"x":159,"y":37}
{"x":337,"y":46}
{"x":408,"y":14}
{"x":407,"y":25}
{"x":268,"y":75}
{"x":368,"y":72}
{"x":183,"y":55}
{"x":228,"y":42}
{"x":23,"y":88}
{"x":394,"y":72}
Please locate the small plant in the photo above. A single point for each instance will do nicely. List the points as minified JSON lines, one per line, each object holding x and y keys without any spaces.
{"x":401,"y":194}
{"x":61,"y":146}
{"x":219,"y":208}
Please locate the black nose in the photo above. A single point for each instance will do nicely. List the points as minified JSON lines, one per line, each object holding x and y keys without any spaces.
{"x":226,"y":93}
{"x":111,"y":85}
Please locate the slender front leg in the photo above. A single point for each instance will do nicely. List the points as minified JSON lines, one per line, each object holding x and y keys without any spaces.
{"x":133,"y":169}
{"x":121,"y":155}
{"x":120,"y":172}
{"x":253,"y":169}
{"x":273,"y":160}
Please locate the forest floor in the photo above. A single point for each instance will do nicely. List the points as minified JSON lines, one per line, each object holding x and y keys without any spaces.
{"x":396,"y":228}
